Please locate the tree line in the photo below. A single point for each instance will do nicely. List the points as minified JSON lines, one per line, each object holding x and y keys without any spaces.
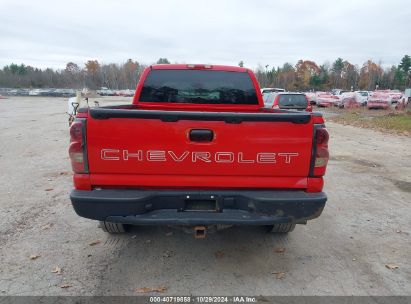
{"x":93,"y":75}
{"x":305,"y":75}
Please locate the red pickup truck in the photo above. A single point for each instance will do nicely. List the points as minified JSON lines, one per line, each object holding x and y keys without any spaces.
{"x":197,"y":148}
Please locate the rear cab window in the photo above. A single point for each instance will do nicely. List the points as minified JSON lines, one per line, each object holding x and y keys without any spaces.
{"x":295,"y":101}
{"x":199,"y":87}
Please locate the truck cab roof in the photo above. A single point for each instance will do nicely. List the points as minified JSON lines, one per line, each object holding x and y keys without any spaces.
{"x":212,"y":67}
{"x":199,"y":86}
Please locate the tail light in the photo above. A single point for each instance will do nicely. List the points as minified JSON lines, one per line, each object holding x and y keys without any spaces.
{"x":77,"y":150}
{"x":321,"y":155}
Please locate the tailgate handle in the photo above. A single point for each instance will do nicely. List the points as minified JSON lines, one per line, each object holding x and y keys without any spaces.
{"x":201,"y":135}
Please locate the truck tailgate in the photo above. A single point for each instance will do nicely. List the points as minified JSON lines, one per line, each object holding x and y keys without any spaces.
{"x":178,"y":149}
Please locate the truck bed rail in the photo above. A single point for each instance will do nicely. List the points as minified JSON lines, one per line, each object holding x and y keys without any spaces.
{"x":173,"y":116}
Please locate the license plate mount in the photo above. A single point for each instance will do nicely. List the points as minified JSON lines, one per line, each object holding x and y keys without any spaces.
{"x":200,"y":205}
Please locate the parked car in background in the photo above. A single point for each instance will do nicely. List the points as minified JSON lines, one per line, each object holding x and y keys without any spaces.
{"x":288,"y":101}
{"x":338,"y":92}
{"x":379,"y":100}
{"x":349,"y":100}
{"x":64,"y":93}
{"x":24,"y":92}
{"x":395,"y":95}
{"x":125,"y":93}
{"x":102,"y":91}
{"x":36,"y":92}
{"x":47,"y":92}
{"x":268,"y":99}
{"x":335,"y":91}
{"x":325,"y":99}
{"x":271,"y":90}
{"x":405,"y":100}
{"x":266,"y":96}
{"x":312,"y":99}
{"x":362,"y":97}
{"x":16,"y":92}
{"x":106,"y":92}
{"x":129,"y":93}
{"x":13,"y":92}
{"x":407,"y":94}
{"x":337,"y":102}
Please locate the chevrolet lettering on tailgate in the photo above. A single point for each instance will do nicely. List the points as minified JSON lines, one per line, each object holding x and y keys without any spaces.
{"x":208,"y":157}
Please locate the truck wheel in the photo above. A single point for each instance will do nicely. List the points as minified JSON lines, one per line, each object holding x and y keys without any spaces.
{"x":281,"y":228}
{"x":113,"y":228}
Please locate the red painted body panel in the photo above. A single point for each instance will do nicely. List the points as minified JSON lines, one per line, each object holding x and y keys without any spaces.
{"x":197,"y":181}
{"x":241,"y":144}
{"x":151,"y":153}
{"x":82,"y":181}
{"x":315,"y":184}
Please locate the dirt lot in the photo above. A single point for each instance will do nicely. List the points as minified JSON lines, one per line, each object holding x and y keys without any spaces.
{"x":365,"y":226}
{"x":388,"y":121}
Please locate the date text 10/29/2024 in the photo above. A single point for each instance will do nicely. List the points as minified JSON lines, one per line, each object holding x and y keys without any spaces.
{"x":203,"y":299}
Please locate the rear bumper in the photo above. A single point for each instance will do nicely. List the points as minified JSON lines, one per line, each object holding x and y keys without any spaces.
{"x":165,"y":207}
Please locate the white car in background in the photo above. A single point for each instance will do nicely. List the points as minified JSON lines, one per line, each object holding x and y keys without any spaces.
{"x":104,"y":91}
{"x":268,"y":98}
{"x":35,"y":92}
{"x":271,"y":90}
{"x":362,"y":97}
{"x":346,"y":98}
{"x":312,"y":98}
{"x":349,"y":100}
{"x":339,"y":93}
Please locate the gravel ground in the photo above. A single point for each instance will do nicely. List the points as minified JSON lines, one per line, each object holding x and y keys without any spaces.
{"x":364,"y":227}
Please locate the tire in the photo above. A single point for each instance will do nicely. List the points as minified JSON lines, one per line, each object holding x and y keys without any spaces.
{"x":281,"y":228}
{"x":113,"y":228}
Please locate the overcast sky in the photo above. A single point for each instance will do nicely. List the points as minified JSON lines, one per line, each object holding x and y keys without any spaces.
{"x":50,"y":33}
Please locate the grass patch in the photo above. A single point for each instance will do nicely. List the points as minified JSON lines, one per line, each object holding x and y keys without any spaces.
{"x":397,"y":122}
